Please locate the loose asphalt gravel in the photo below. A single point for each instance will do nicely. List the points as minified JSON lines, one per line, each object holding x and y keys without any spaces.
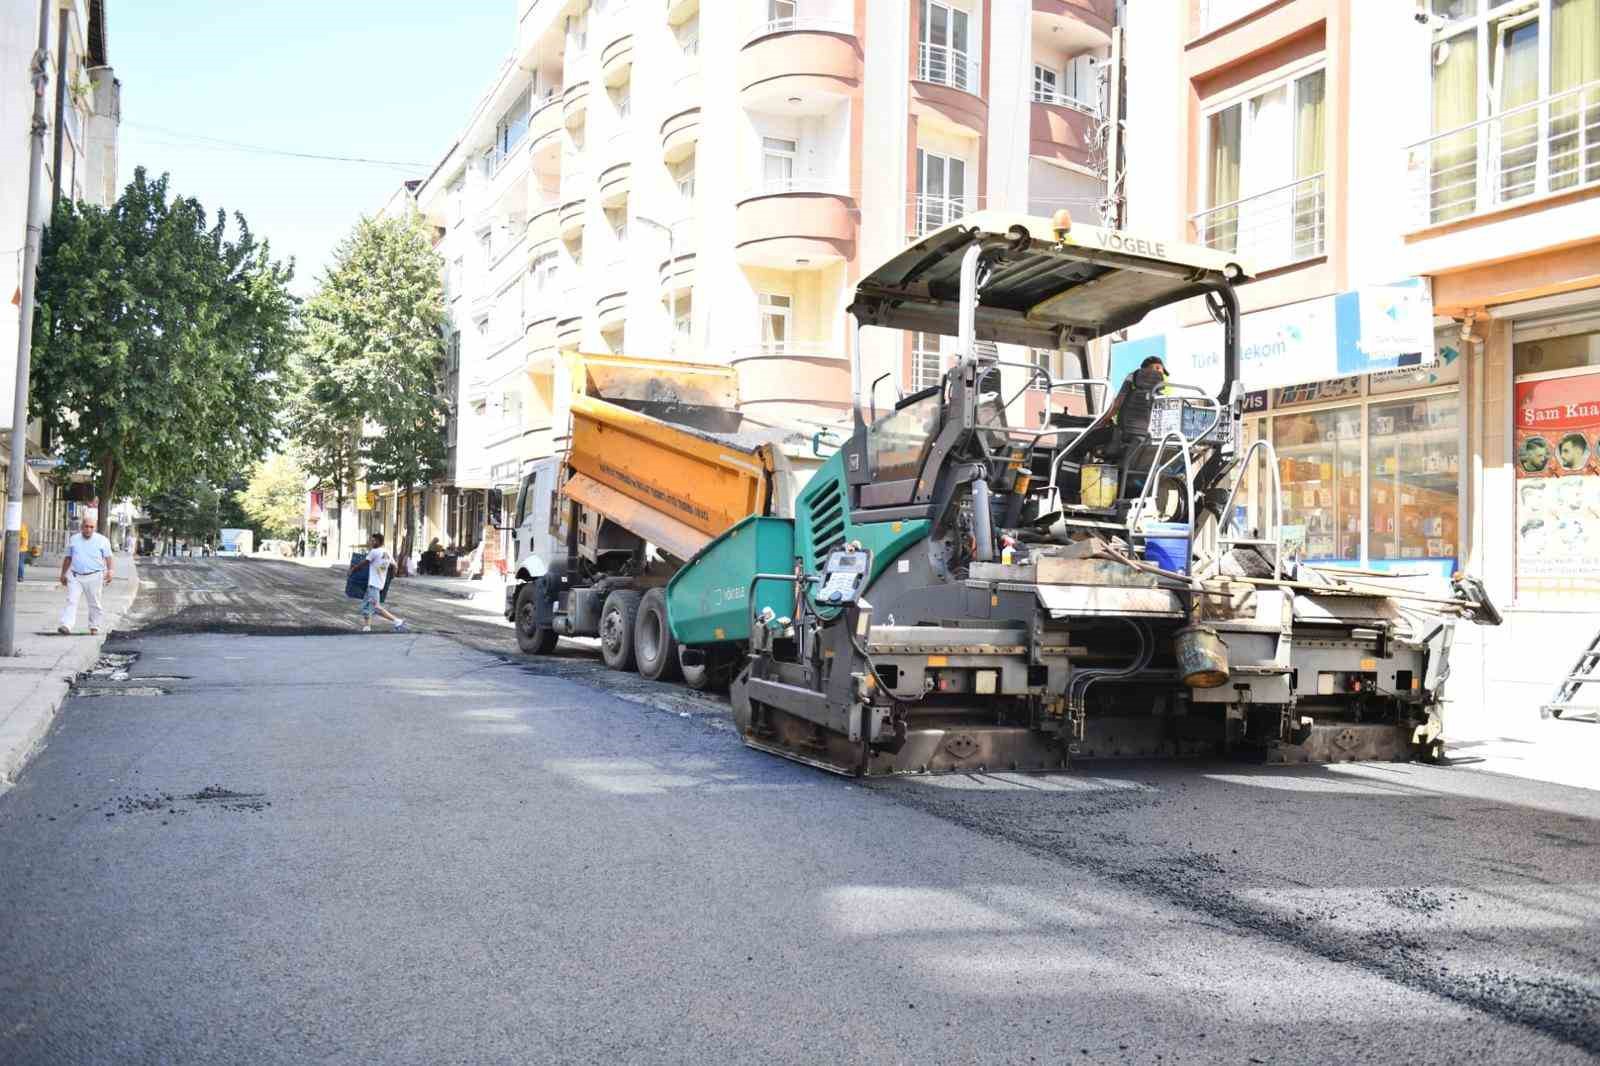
{"x":284,"y":841}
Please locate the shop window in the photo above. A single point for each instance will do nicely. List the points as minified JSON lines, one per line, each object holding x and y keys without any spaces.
{"x":1319,"y":462}
{"x":1556,"y":353}
{"x":1414,"y":480}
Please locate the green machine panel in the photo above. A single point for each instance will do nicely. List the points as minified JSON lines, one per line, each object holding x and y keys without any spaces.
{"x":706,"y":600}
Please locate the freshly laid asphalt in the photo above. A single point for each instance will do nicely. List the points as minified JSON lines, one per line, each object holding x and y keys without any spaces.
{"x":267,"y":847}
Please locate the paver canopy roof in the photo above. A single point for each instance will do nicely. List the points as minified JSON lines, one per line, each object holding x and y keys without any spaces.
{"x":1043,"y":287}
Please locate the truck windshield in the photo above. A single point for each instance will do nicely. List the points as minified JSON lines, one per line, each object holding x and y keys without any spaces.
{"x":896,"y":442}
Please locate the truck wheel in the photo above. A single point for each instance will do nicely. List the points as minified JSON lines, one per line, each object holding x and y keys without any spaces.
{"x":652,"y":639}
{"x":532,"y":638}
{"x":618,"y":621}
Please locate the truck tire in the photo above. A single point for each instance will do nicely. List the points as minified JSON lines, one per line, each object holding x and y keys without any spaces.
{"x":618,"y":620}
{"x":653,"y":645}
{"x":531,"y":638}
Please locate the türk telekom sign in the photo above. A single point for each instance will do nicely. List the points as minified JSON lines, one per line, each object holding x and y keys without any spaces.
{"x":1364,"y":331}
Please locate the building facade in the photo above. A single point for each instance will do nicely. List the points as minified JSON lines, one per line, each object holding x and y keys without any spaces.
{"x":1354,"y":155}
{"x":84,"y":108}
{"x":706,"y":182}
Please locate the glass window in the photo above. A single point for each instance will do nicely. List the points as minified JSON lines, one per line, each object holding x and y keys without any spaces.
{"x":683,"y":176}
{"x":775,"y":312}
{"x":896,"y":441}
{"x":777,"y":162}
{"x":1556,"y":353}
{"x":941,"y":191}
{"x":1413,"y":485}
{"x":927,"y":360}
{"x":781,"y":10}
{"x":1045,"y":83}
{"x":1319,"y":463}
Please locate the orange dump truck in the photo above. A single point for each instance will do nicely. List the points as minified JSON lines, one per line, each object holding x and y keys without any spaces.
{"x":659,"y":463}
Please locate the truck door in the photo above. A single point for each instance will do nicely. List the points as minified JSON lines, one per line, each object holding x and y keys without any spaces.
{"x":531,"y":536}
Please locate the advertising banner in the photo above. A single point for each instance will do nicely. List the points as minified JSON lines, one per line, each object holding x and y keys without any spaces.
{"x":1557,"y":460}
{"x":1372,"y":329}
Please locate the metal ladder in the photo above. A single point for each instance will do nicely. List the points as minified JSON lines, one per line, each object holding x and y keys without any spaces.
{"x":1583,"y":672}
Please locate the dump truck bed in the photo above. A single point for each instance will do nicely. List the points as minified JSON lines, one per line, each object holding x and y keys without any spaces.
{"x":660,"y":448}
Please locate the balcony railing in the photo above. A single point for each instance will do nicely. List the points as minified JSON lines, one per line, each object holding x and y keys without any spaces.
{"x":1269,"y":229}
{"x":1547,"y":146}
{"x":800,"y":24}
{"x":1060,"y":99}
{"x":943,"y":65}
{"x":934,"y":212}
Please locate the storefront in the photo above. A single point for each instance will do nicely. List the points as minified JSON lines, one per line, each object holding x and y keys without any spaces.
{"x":1360,"y":396}
{"x":1555,"y":365}
{"x":1372,"y":465}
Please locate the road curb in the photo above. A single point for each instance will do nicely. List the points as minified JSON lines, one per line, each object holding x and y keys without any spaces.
{"x":23,"y":733}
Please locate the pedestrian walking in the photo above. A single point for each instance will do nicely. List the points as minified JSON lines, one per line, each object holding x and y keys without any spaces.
{"x":85,"y":570}
{"x":379,"y":564}
{"x":22,"y":552}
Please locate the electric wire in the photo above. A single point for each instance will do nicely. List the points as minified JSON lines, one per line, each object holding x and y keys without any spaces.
{"x":181,"y":137}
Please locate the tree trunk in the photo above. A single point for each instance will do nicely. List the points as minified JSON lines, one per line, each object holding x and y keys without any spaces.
{"x":405,"y":541}
{"x":105,"y":484}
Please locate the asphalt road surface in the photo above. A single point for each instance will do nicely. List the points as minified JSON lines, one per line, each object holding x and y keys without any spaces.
{"x":285,"y":841}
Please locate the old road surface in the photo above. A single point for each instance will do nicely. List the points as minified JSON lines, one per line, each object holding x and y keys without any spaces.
{"x":267,"y":838}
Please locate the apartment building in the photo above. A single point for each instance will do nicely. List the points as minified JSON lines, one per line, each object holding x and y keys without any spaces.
{"x":706,"y":179}
{"x":84,"y":109}
{"x":1401,"y":169}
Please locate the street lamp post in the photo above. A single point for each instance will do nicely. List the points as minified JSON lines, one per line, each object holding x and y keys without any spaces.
{"x":39,"y":74}
{"x":672,"y":246}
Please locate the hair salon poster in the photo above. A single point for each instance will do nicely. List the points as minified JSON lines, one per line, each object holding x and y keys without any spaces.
{"x":1557,"y":460}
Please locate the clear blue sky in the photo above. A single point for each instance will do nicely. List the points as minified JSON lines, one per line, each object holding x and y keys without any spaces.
{"x":380,"y":80}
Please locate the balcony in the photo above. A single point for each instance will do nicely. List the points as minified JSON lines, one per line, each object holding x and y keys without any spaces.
{"x":575,"y":104}
{"x":680,"y":132}
{"x":794,"y":225}
{"x":1547,"y":148}
{"x":681,"y":11}
{"x":1073,"y":26}
{"x":569,"y":318}
{"x":544,"y":133}
{"x":1270,"y":229}
{"x":799,"y":66}
{"x":541,"y":344}
{"x":615,"y":183}
{"x":570,"y":218}
{"x":677,"y":275}
{"x":616,"y":60}
{"x":543,"y":227}
{"x":1062,"y":129}
{"x":793,"y":380}
{"x":611,"y":306}
{"x":947,"y":91}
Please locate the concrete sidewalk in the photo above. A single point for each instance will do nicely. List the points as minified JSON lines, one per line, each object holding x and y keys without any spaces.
{"x":33,"y":684}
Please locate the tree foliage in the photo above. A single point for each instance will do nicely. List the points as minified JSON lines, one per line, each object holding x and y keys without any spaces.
{"x":275,"y":498}
{"x":189,"y":510}
{"x":368,"y":394}
{"x":160,"y":341}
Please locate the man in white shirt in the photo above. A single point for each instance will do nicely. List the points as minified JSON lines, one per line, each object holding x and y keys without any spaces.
{"x":86,"y":568}
{"x":379,"y":564}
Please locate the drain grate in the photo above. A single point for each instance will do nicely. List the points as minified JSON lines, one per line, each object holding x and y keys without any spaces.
{"x":90,"y":692}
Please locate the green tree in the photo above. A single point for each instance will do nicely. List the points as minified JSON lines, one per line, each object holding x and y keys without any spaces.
{"x":160,"y":341}
{"x":369,"y":384}
{"x":275,"y":498}
{"x":189,"y":511}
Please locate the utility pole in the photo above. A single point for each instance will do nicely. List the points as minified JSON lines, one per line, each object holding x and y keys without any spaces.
{"x":40,"y":75}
